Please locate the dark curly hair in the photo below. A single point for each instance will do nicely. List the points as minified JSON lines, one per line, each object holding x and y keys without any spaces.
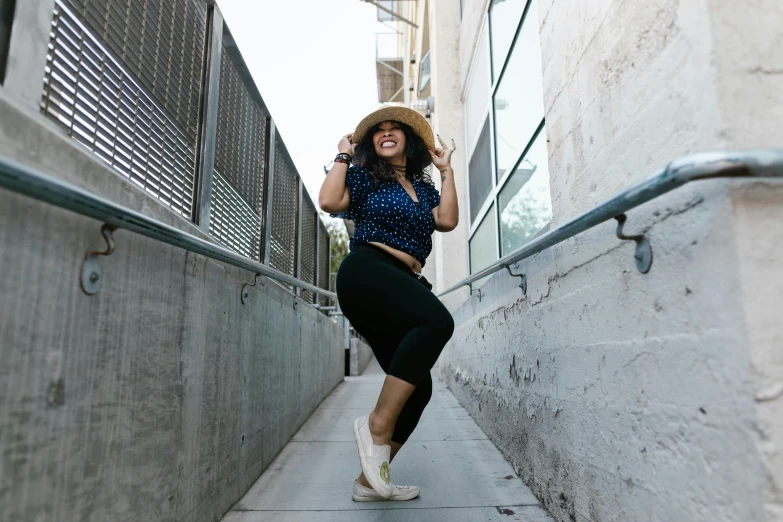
{"x":380,"y":171}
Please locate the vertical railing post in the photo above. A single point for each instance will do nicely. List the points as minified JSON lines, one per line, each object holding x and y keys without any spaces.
{"x":329,"y":272}
{"x":300,"y":209}
{"x":269,"y":189}
{"x":7,"y":10}
{"x":205,"y":160}
{"x":317,"y":265}
{"x":314,"y":259}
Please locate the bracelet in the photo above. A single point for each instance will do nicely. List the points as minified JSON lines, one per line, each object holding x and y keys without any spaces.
{"x":343,"y":157}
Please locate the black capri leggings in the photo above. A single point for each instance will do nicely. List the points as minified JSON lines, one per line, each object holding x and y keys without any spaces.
{"x":405,"y":324}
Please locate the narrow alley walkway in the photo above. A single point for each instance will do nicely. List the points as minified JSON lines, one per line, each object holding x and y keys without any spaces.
{"x":462,"y":476}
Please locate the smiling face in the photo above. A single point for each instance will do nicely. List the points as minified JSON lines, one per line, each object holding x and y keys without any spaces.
{"x":389,"y":141}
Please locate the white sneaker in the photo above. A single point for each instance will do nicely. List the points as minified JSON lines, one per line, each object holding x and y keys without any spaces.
{"x":363,"y":494}
{"x":374,"y":458}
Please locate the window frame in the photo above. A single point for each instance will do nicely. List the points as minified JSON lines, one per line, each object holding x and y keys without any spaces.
{"x":425,"y":58}
{"x":507,"y":176}
{"x":492,"y":200}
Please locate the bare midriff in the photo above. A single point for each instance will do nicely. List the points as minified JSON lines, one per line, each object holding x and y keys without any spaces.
{"x":408,"y":259}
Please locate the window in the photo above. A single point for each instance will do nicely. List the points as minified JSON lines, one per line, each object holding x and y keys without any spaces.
{"x":385,"y":16}
{"x":504,"y":18}
{"x":508,"y":175}
{"x":483,"y":245}
{"x":424,"y":76}
{"x":480,"y":168}
{"x":478,"y":92}
{"x":519,"y":100}
{"x":525,"y":204}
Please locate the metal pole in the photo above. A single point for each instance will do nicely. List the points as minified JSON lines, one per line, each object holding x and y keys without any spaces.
{"x":29,"y":182}
{"x":7,"y":8}
{"x":299,"y":224}
{"x":317,"y":264}
{"x":406,"y":65}
{"x":209,"y":113}
{"x":748,"y":164}
{"x":270,"y":189}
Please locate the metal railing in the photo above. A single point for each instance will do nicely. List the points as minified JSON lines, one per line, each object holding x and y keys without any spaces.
{"x":26,"y":181}
{"x":160,"y":92}
{"x":759,"y":163}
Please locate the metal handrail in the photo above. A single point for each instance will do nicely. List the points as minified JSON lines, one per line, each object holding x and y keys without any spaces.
{"x":754,"y":163}
{"x":29,"y":182}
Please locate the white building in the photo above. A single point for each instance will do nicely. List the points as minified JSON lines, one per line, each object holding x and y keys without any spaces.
{"x":616,"y":395}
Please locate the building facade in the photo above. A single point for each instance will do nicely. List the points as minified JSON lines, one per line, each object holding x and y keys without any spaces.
{"x":616,"y":395}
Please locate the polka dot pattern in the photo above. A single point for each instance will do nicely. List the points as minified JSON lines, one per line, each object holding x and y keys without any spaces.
{"x":388,"y":215}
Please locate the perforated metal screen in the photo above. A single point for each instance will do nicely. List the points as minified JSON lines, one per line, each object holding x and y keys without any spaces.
{"x":232,"y":221}
{"x":308,"y":246}
{"x":324,"y":260}
{"x":91,"y":94}
{"x":283,"y":226}
{"x":160,"y":42}
{"x":241,"y":134}
{"x":124,"y":78}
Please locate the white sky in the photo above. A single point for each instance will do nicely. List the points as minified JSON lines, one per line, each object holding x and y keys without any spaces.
{"x":314,"y":64}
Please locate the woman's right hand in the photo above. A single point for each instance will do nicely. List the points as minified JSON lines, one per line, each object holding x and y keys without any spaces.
{"x":345,"y":145}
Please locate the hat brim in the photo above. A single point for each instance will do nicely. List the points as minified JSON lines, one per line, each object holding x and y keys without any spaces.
{"x":409,"y":117}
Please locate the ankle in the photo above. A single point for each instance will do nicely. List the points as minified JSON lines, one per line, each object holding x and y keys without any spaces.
{"x":381,"y":429}
{"x":363,"y":481}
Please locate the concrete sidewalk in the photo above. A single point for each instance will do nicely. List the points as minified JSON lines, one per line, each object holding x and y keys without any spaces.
{"x":462,"y":476}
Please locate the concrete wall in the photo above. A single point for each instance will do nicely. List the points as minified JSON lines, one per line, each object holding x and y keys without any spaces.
{"x":449,"y":260}
{"x":27,"y":52}
{"x":361,"y":355}
{"x":160,"y":398}
{"x":621,"y":396}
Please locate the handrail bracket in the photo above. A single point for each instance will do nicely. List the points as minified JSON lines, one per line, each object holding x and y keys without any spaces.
{"x":522,"y":279}
{"x":246,"y":287}
{"x":91,"y":273}
{"x":643,"y":255}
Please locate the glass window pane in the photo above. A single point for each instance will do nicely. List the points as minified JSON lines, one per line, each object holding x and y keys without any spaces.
{"x":483,"y":250}
{"x":504,"y":18}
{"x":425,"y":72}
{"x":519,"y":100}
{"x":480,"y":172}
{"x":385,"y":16}
{"x":525,"y":201}
{"x":477,"y":96}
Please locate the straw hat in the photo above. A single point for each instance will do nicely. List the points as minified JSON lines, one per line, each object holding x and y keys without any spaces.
{"x":413,"y":119}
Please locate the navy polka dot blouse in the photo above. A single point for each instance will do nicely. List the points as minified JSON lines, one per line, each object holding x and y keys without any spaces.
{"x":388,"y":215}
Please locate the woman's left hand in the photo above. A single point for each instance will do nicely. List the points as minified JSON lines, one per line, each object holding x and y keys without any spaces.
{"x":441,"y":158}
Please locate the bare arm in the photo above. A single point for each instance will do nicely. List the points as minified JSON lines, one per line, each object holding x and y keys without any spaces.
{"x":447,"y":213}
{"x":334,"y":196}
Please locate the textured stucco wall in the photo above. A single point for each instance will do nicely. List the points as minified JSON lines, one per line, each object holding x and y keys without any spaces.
{"x":449,"y":260}
{"x":621,"y":396}
{"x":160,"y":398}
{"x":758,"y":213}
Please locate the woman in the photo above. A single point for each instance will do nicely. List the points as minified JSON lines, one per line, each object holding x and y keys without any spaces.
{"x":380,"y":181}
